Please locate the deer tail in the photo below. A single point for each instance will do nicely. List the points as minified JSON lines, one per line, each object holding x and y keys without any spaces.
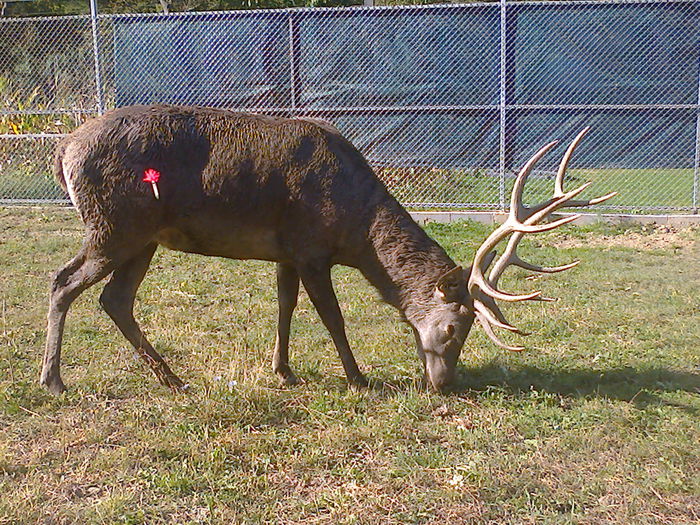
{"x":58,"y":166}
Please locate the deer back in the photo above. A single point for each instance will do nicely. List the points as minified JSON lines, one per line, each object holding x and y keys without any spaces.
{"x":222,"y":173}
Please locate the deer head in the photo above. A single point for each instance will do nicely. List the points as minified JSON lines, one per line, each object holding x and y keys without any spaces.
{"x":462,"y":296}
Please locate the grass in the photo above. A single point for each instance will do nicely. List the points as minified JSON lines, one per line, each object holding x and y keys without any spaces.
{"x":596,"y":423}
{"x":640,"y":190}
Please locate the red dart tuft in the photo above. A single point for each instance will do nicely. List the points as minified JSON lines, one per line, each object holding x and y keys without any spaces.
{"x":151,"y":175}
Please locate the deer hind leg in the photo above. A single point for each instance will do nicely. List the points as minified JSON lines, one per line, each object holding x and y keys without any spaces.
{"x":84,"y":270}
{"x":287,"y":293}
{"x":117,"y":299}
{"x":317,"y":281}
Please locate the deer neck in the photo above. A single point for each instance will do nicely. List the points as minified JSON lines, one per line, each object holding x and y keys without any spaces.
{"x":403,"y":262}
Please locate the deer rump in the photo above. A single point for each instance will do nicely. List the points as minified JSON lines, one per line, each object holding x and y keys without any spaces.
{"x":292,"y":191}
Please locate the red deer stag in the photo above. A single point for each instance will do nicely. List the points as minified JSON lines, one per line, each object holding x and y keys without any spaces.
{"x":293,"y":191}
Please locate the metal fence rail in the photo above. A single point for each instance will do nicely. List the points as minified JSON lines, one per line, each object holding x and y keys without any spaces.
{"x":445,"y":101}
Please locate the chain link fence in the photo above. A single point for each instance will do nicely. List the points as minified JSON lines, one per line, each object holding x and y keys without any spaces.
{"x":445,"y":101}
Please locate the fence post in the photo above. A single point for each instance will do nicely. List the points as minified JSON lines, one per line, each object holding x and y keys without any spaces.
{"x":96,"y":53}
{"x":696,"y":173}
{"x":502,"y":109}
{"x":293,"y":64}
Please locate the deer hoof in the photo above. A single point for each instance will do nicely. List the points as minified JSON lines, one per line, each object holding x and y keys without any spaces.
{"x":289,"y":379}
{"x":358,"y":382}
{"x":54,"y":385}
{"x":175,"y":384}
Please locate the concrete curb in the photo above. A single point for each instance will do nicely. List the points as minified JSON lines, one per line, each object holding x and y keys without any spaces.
{"x":484,"y":217}
{"x":497,"y":217}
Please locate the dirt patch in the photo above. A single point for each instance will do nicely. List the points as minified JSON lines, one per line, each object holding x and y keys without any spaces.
{"x":650,"y":237}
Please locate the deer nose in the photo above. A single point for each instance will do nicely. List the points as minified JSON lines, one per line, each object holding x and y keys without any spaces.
{"x":438,"y":374}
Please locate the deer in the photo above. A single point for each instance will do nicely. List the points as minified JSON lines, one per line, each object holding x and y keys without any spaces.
{"x":292,"y":191}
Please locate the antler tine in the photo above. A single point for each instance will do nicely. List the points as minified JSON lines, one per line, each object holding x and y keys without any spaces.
{"x":503,"y":260}
{"x":572,"y":204}
{"x":510,"y":256}
{"x":543,"y":269}
{"x":489,"y":332}
{"x":517,"y":210}
{"x":559,"y":181}
{"x":491,"y":318}
{"x":496,"y":320}
{"x":539,"y":213}
{"x":591,"y":202}
{"x":527,"y":228}
{"x":564,"y":164}
{"x":490,"y":303}
{"x":480,"y":282}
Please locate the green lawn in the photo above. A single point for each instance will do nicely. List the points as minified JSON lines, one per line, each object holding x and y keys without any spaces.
{"x":26,"y":175}
{"x":598,"y":422}
{"x":643,"y":190}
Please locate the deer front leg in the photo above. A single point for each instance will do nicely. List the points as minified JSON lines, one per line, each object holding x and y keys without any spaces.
{"x":84,"y":270}
{"x":118,"y":301}
{"x":317,"y":281}
{"x":287,"y":292}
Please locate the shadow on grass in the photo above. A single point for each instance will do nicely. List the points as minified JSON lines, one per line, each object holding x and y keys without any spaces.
{"x":639,"y":386}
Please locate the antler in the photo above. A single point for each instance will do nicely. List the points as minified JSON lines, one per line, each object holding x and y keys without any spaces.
{"x":521,"y":220}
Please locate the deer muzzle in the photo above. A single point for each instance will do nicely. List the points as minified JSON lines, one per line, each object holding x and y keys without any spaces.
{"x":439,"y":371}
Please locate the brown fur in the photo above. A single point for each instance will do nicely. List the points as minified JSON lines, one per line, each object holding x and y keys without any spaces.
{"x":242,"y":186}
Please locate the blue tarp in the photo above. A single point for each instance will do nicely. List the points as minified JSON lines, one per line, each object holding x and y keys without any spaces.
{"x":421,"y":86}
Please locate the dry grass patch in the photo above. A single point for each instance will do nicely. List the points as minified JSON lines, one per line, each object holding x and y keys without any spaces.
{"x":649,"y":237}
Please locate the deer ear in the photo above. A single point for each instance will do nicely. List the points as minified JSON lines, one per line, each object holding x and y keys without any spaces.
{"x":451,"y":286}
